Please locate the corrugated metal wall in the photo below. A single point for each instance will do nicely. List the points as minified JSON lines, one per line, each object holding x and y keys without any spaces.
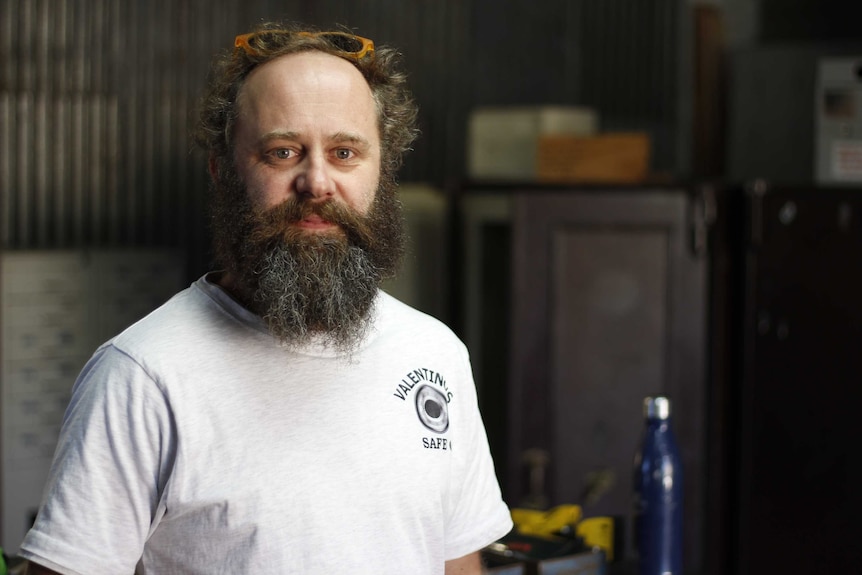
{"x":634,"y":70}
{"x":94,"y":107}
{"x":95,"y":97}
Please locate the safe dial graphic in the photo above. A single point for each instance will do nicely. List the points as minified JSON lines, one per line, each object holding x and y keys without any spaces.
{"x":432,"y":409}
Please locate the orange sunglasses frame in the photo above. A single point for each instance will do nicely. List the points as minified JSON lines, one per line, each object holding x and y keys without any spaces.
{"x":242,"y":41}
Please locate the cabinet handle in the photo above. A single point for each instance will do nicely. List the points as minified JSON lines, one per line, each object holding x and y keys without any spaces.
{"x":702,"y":218}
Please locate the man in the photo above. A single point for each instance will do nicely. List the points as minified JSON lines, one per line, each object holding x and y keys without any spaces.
{"x":282,"y":415}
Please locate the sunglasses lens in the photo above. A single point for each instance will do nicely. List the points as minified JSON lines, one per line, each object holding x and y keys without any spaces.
{"x":344,"y":43}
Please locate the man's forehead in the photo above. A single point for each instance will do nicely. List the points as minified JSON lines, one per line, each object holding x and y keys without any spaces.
{"x":311,"y":84}
{"x":309,"y":70}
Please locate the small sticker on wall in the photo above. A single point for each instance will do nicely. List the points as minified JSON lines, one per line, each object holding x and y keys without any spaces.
{"x":847,"y":160}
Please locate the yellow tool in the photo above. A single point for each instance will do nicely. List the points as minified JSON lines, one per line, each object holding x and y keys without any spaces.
{"x":545,"y":523}
{"x":595,"y":531}
{"x":598,"y":532}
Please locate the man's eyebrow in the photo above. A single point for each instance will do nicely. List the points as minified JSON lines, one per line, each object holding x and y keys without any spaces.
{"x":351,"y":138}
{"x":279,"y":135}
{"x":338,"y":138}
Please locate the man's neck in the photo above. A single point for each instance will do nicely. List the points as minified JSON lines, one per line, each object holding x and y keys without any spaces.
{"x":229,"y":283}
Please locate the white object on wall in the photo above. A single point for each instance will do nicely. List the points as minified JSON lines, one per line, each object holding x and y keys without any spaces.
{"x":422,"y":281}
{"x":56,"y":307}
{"x":502,"y":142}
{"x":838,"y":117}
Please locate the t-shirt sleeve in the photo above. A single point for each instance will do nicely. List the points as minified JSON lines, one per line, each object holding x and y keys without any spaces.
{"x":477,"y":514}
{"x":114,"y":455}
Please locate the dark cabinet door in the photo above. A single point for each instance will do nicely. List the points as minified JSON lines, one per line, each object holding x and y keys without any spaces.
{"x":798,"y":468}
{"x":609,"y":306}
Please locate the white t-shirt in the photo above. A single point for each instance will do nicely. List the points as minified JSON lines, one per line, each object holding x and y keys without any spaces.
{"x":196,"y":444}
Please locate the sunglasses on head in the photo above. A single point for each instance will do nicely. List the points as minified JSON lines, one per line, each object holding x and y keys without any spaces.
{"x":347,"y":45}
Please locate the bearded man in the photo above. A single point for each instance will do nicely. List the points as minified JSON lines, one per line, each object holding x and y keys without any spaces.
{"x":282,"y":415}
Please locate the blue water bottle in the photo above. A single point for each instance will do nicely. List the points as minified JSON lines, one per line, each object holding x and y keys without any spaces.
{"x":658,"y":493}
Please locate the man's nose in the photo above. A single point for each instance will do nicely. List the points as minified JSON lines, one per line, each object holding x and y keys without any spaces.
{"x":314,"y":180}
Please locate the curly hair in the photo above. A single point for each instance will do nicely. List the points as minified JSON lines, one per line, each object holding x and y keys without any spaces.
{"x":217,"y":113}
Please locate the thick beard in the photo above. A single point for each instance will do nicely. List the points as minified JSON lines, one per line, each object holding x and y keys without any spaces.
{"x":308,"y":286}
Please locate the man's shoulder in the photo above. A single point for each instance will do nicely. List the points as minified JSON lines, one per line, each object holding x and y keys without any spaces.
{"x":394,"y":308}
{"x":186,"y":314}
{"x":188,"y":329}
{"x":399,"y":317}
{"x":180,"y":304}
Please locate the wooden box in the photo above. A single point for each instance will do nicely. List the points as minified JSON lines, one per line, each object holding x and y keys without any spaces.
{"x":613,"y":158}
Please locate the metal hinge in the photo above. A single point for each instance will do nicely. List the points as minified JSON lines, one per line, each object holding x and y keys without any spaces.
{"x":756,"y":190}
{"x":703,"y":216}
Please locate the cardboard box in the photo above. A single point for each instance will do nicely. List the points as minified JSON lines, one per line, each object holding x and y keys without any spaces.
{"x":503,"y":142}
{"x":613,"y":158}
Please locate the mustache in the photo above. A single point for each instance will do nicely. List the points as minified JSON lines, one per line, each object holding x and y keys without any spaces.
{"x":275,"y":223}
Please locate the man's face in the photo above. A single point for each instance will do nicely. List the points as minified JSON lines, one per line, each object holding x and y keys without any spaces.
{"x":307,"y":129}
{"x":304,"y":223}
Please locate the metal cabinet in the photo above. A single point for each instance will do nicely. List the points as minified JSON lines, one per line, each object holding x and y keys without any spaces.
{"x":793,"y":467}
{"x":604,"y":301}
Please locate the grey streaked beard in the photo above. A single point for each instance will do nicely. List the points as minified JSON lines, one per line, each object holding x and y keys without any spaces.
{"x":308,"y":287}
{"x":317,"y":287}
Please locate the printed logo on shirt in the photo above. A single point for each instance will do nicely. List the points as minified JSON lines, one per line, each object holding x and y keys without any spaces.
{"x":431,"y":397}
{"x":432,"y":409}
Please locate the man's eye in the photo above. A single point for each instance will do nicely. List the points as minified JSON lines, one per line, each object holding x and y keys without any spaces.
{"x":343,"y":153}
{"x":283,"y":153}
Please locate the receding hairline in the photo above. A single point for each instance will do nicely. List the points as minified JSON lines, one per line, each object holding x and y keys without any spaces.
{"x":375,"y":97}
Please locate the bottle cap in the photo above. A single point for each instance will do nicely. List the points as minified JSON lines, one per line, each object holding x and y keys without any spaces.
{"x":657,"y":407}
